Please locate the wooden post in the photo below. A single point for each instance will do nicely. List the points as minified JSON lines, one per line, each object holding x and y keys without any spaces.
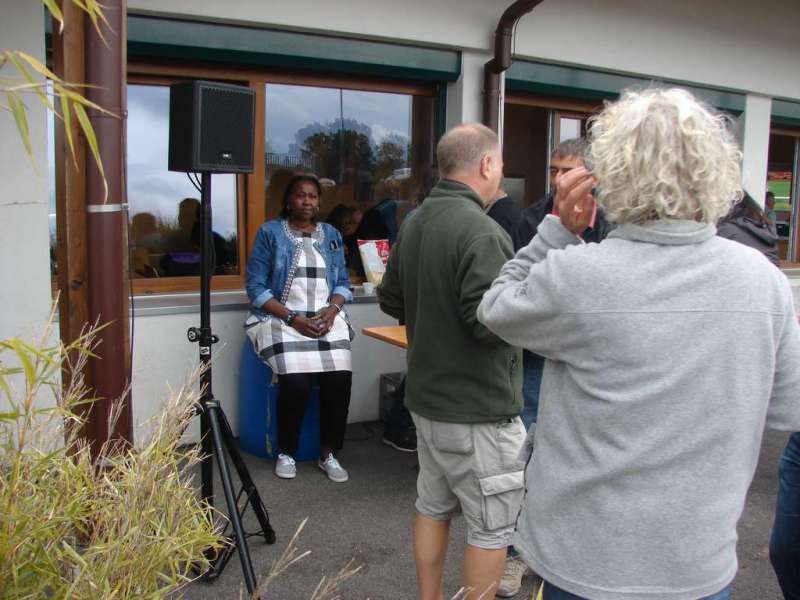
{"x":109,"y":285}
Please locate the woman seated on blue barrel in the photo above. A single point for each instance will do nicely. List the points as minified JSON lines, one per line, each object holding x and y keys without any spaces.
{"x":298,"y":284}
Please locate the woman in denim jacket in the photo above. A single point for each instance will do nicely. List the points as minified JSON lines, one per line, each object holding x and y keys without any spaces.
{"x":297,"y":284}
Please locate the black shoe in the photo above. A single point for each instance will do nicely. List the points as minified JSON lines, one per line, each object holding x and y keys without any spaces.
{"x":404,"y":441}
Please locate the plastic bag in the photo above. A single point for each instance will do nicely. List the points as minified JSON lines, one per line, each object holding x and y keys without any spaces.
{"x":374,"y":254}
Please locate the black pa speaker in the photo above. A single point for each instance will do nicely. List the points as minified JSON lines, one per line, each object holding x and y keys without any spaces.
{"x":211,"y":127}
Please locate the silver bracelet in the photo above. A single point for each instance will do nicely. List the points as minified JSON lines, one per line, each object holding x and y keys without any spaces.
{"x":336,"y":306}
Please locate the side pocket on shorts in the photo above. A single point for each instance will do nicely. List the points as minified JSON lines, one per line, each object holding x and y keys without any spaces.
{"x":501,"y":498}
{"x":452,"y":437}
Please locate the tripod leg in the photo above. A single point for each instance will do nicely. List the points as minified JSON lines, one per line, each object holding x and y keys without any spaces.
{"x":247,"y":481}
{"x":212,"y":409}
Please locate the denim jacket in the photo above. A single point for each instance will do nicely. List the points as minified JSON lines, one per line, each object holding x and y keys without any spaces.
{"x":270,"y":272}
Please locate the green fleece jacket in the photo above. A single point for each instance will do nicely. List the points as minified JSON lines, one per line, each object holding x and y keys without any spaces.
{"x":447,"y":254}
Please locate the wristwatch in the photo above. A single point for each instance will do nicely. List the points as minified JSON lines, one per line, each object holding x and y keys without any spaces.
{"x":290,"y":318}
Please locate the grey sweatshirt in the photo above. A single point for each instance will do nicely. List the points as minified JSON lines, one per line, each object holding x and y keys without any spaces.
{"x":668,"y":350}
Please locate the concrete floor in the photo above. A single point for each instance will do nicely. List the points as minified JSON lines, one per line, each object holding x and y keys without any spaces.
{"x":368,"y":519}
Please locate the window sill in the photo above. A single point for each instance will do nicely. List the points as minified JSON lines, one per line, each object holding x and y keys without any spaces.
{"x":150,"y":305}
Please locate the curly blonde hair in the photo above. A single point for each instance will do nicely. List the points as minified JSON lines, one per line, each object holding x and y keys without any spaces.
{"x":663,"y":154}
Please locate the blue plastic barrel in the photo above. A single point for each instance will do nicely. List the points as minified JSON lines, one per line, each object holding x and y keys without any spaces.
{"x":258,"y":411}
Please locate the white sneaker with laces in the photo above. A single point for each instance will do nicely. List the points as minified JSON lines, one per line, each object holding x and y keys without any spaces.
{"x":511,"y":582}
{"x":285,"y":467}
{"x":333,"y":469}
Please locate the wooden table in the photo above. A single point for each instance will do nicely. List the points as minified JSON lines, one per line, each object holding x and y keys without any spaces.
{"x":395,"y":335}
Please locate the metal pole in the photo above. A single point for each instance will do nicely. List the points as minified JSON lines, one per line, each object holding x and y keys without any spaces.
{"x":207,"y":468}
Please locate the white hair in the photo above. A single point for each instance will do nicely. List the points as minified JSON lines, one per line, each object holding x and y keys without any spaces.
{"x":662,"y":154}
{"x":461,"y":149}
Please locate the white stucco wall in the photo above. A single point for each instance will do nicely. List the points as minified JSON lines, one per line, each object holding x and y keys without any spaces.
{"x":163,"y":358}
{"x":25,"y":259}
{"x":755,"y":123}
{"x":738,"y":44}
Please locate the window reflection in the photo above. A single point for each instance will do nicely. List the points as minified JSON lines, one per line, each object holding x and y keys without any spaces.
{"x":164,"y":234}
{"x":51,"y":192}
{"x":373,"y":152}
{"x":780,"y":177}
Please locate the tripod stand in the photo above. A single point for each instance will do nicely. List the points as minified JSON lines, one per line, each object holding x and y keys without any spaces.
{"x":217,"y":438}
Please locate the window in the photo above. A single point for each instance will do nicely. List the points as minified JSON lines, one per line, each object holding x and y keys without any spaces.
{"x":370,"y":142}
{"x":532,"y":128}
{"x":569,"y":126}
{"x":372,"y":150}
{"x":782,"y":169}
{"x":164,"y":236}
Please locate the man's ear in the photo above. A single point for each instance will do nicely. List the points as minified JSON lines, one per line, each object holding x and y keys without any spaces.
{"x":486,"y":166}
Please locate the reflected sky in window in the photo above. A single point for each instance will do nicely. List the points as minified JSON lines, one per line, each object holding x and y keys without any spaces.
{"x":151,"y":187}
{"x":291,"y":109}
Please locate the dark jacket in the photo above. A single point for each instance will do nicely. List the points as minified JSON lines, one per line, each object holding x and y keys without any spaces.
{"x":753,"y":233}
{"x":535,"y":214}
{"x":506,"y":214}
{"x":446,"y":257}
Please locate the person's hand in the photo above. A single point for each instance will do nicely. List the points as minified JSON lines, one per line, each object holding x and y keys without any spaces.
{"x":309,"y":327}
{"x":574,"y":199}
{"x":326,"y":316}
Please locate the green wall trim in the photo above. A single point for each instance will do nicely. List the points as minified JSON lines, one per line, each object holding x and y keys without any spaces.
{"x":585,"y":84}
{"x":190,"y":40}
{"x":441,"y":112}
{"x":786,"y":113}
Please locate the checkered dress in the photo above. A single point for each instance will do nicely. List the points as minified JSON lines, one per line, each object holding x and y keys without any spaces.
{"x":285,"y":349}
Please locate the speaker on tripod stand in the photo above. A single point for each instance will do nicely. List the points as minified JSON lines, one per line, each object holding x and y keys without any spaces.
{"x":211,"y":131}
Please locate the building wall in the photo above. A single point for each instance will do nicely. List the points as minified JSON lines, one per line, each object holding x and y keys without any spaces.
{"x":748,"y":46}
{"x":163,"y":358}
{"x":25,"y":259}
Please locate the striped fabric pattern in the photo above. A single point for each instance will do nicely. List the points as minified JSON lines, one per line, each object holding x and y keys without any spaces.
{"x":284,"y":349}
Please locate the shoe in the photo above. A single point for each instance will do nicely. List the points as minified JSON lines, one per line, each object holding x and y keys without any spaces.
{"x":333,"y":469}
{"x":285,"y":467}
{"x":404,"y":441}
{"x":511,"y":582}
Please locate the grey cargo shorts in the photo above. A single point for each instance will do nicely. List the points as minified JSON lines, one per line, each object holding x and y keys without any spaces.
{"x":474,"y":469}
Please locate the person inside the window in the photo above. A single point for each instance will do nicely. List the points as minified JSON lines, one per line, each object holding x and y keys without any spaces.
{"x":184,"y":244}
{"x":298,"y":284}
{"x":346,"y":220}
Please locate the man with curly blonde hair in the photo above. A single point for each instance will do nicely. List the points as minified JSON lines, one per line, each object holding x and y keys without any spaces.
{"x":648,"y":428}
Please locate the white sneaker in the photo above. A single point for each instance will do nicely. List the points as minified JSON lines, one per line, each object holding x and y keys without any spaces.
{"x":511,"y":582}
{"x":333,"y":469}
{"x":285,"y":467}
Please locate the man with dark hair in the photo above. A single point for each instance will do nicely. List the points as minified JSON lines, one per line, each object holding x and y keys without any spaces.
{"x":463,"y":383}
{"x":568,"y":155}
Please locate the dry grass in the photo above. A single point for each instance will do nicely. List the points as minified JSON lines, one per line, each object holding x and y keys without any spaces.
{"x":126,"y":525}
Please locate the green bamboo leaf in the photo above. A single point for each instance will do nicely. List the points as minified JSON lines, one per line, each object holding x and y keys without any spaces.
{"x":79,"y":99}
{"x":6,"y":388}
{"x":18,"y":110}
{"x":67,"y":116}
{"x":91,"y":139}
{"x":14,"y":58}
{"x":18,"y":348}
{"x":37,"y":66}
{"x":55,"y":10}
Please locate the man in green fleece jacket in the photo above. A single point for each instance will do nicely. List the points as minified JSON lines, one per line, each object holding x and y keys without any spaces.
{"x":464,"y":384}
